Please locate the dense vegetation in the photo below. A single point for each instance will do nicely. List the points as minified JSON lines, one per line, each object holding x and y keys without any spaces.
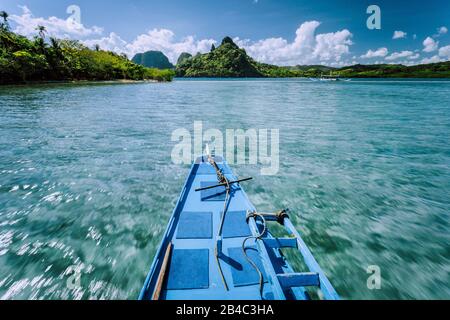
{"x":184,"y":56}
{"x":153,"y":59}
{"x":228,"y":60}
{"x":432,"y":70}
{"x":40,"y":59}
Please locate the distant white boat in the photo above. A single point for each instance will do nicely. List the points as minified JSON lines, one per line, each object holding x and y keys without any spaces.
{"x":328,"y":78}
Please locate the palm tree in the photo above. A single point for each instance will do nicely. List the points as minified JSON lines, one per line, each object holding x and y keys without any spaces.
{"x":55,"y":43}
{"x":56,"y":47}
{"x":4,"y":15}
{"x":40,"y":41}
{"x":42,"y":30}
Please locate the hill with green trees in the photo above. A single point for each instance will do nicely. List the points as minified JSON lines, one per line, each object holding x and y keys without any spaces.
{"x":25,"y":60}
{"x":228,"y":60}
{"x":153,"y":59}
{"x":184,"y":56}
{"x":432,"y":70}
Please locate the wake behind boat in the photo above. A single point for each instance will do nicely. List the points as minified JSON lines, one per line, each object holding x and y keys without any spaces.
{"x":217,"y":246}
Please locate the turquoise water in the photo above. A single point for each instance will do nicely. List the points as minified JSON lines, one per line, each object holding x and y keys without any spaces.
{"x":87,"y":183}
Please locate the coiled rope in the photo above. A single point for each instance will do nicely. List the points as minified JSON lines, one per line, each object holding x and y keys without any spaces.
{"x":257,"y":237}
{"x":278,"y":216}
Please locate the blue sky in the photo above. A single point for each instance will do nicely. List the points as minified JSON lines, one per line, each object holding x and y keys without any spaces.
{"x":283,"y":32}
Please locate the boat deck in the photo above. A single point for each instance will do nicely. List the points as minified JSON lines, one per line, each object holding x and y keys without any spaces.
{"x":191,"y":271}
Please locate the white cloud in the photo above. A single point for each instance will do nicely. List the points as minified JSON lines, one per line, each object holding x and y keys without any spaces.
{"x":445,"y":52}
{"x":414,"y":56}
{"x":399,"y":35}
{"x":26,"y":24}
{"x":442,"y":30}
{"x":157,"y":39}
{"x":113,"y":42}
{"x":306,"y":48}
{"x":380,"y":52}
{"x":402,"y":54}
{"x":433,"y":59}
{"x":404,"y":62}
{"x":430,"y":44}
{"x":332,"y":46}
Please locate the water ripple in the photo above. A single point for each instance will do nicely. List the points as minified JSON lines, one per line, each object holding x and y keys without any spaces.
{"x":87,"y":186}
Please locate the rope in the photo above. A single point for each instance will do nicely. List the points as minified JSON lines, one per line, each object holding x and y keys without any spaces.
{"x":222,"y":179}
{"x":220,"y":233}
{"x":257,"y":237}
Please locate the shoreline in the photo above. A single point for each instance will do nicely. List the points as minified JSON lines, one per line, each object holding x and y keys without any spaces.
{"x":118,"y":81}
{"x":392,"y":77}
{"x":308,"y":78}
{"x":128,"y":81}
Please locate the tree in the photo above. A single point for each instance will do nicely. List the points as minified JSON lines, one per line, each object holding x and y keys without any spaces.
{"x":55,"y":44}
{"x":213,"y":47}
{"x":183,"y":57}
{"x":42,"y":31}
{"x":4,"y":15}
{"x":97,"y":47}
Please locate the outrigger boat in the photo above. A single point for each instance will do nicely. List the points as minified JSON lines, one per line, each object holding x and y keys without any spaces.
{"x":329,"y":78}
{"x":217,"y":246}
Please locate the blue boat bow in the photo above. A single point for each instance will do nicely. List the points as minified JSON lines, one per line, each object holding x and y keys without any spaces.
{"x":217,"y":247}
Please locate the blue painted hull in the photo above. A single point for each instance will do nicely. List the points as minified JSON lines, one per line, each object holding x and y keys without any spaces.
{"x":185,"y":266}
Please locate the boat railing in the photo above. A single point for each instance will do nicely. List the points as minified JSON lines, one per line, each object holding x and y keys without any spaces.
{"x":315,"y":277}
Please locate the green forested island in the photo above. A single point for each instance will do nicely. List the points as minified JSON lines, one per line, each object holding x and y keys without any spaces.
{"x":153,"y":59}
{"x":228,"y":60}
{"x":432,"y":70}
{"x":40,"y":59}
